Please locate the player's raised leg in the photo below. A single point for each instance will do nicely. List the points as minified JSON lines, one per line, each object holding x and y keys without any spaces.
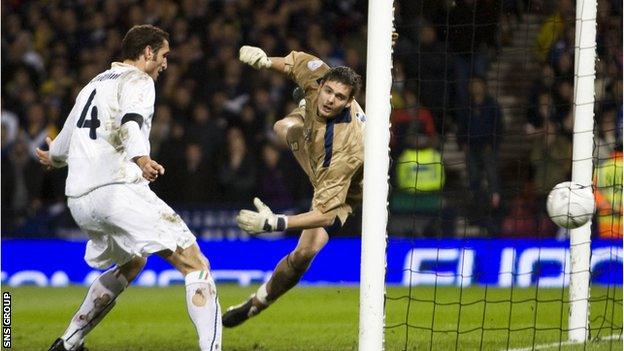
{"x":286,"y":275}
{"x":99,"y":301}
{"x":201,"y":294}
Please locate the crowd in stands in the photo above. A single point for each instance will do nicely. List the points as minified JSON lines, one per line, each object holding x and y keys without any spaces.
{"x":549,"y":124}
{"x":212,"y":127}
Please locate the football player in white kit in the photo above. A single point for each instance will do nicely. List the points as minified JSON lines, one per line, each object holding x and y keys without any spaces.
{"x":105,"y":145}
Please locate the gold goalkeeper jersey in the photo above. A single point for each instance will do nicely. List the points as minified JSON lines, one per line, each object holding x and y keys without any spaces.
{"x":332,"y":149}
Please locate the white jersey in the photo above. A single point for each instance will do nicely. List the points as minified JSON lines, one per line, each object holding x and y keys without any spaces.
{"x":100,"y":136}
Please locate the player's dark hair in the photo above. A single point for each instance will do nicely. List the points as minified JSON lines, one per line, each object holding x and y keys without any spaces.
{"x":346,"y":76}
{"x":138,"y":37}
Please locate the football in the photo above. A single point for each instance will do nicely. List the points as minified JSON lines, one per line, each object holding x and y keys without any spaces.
{"x":570,"y":205}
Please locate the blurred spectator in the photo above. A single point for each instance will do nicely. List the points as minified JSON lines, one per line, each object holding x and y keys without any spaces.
{"x":19,"y":83}
{"x":564,"y":68}
{"x":420,"y":180}
{"x":22,"y":50}
{"x":521,"y":220}
{"x":546,"y":80}
{"x":608,"y":181}
{"x":544,"y":84}
{"x":197,"y":178}
{"x":22,"y":181}
{"x":567,"y":124}
{"x":411,"y":117}
{"x":265,"y":103}
{"x":238,"y":171}
{"x":419,"y":167}
{"x":252,"y":126}
{"x":50,"y":48}
{"x":354,"y":60}
{"x":563,"y":98}
{"x":564,"y":44}
{"x":276,"y":183}
{"x":206,"y":131}
{"x":10,"y":127}
{"x":551,"y":162}
{"x":218,"y":107}
{"x":609,"y":33}
{"x":37,"y":128}
{"x":539,"y":116}
{"x":425,"y":67}
{"x":161,"y":128}
{"x":613,"y":100}
{"x":232,"y":86}
{"x":472,"y":33}
{"x":7,"y":179}
{"x":59,"y":81}
{"x":171,"y":156}
{"x":479,"y":132}
{"x":607,"y":135}
{"x":553,"y":26}
{"x":551,"y":158}
{"x":399,"y":81}
{"x":602,"y":81}
{"x":181,"y":103}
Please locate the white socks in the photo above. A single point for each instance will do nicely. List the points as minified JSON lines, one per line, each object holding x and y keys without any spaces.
{"x":203,"y":308}
{"x":201,"y":301}
{"x":261,"y":295}
{"x":99,"y":301}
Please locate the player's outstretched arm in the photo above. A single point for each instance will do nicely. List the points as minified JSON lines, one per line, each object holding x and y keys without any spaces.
{"x":258,"y":59}
{"x":303,"y":68}
{"x":310,"y":219}
{"x":264,"y":220}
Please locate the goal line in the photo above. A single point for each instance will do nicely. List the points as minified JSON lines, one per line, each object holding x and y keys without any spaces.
{"x":565,"y":343}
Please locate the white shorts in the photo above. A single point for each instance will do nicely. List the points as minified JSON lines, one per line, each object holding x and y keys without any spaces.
{"x":127,"y":220}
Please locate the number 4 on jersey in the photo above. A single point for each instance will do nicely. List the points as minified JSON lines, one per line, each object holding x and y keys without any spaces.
{"x":92,"y":123}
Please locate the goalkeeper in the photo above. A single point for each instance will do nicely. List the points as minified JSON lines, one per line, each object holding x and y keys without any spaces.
{"x":325,"y":135}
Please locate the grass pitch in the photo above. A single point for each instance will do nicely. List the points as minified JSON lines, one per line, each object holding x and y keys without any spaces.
{"x":325,"y":318}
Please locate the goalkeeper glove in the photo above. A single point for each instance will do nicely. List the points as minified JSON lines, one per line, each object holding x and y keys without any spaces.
{"x":262,"y":221}
{"x":254,"y":57}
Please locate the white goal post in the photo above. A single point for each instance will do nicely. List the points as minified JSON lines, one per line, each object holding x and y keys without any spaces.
{"x":376,"y":161}
{"x":582,"y":166}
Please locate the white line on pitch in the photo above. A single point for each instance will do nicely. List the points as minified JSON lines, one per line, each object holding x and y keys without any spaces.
{"x":557,"y":344}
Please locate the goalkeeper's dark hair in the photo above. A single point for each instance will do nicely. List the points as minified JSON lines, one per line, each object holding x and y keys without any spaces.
{"x":138,"y":37}
{"x":346,"y":76}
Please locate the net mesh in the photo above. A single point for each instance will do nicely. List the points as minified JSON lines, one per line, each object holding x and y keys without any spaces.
{"x":481,"y":132}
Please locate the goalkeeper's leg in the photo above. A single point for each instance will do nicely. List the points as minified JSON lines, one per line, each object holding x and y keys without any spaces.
{"x":286,"y":275}
{"x":99,"y":301}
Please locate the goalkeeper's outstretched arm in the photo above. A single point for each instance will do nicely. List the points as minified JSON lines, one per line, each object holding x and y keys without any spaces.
{"x":278,"y":64}
{"x":264,"y":220}
{"x":258,"y":59}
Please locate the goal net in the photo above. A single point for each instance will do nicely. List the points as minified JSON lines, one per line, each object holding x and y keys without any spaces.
{"x":494,"y":103}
